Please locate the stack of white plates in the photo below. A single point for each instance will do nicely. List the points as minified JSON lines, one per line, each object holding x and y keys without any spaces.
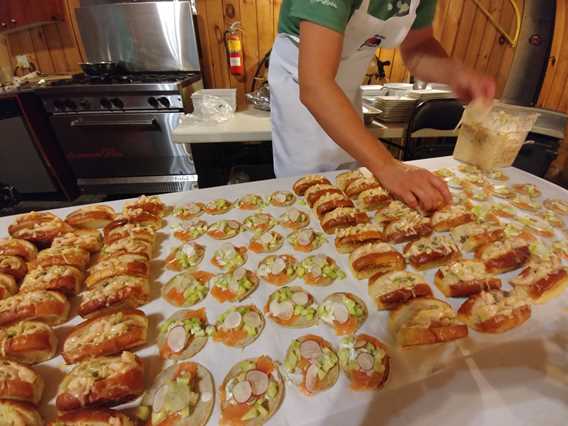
{"x":372,"y":90}
{"x":428,"y":94}
{"x":395,"y":108}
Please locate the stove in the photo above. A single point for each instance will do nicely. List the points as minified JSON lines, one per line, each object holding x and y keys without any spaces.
{"x":115,"y":130}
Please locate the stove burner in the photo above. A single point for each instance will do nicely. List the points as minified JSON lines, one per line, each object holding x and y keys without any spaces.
{"x":138,"y":78}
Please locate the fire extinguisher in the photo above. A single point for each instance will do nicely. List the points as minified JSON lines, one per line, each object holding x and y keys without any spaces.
{"x":234,"y":45}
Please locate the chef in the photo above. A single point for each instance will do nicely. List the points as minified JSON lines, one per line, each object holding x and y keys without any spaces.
{"x":317,"y":64}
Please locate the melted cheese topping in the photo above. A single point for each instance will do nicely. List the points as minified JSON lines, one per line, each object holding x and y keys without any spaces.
{"x":449,"y":213}
{"x":373,"y":192}
{"x":109,"y":288}
{"x":465,"y":270}
{"x":101,"y":330}
{"x":319,"y":187}
{"x":436,"y":244}
{"x":333,"y":196}
{"x":500,"y":248}
{"x":371,"y":249}
{"x":22,"y":328}
{"x":424,"y":316}
{"x":10,"y":262}
{"x":394,"y":281}
{"x":128,"y":245}
{"x":339,"y":212}
{"x":536,"y":272}
{"x":309,"y":179}
{"x":62,"y":251}
{"x":495,"y":302}
{"x":358,"y":229}
{"x":345,"y":177}
{"x":408,"y":222}
{"x":24,"y":299}
{"x":10,"y":370}
{"x":360,"y":183}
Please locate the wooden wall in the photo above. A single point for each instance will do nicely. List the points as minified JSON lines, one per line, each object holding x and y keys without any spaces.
{"x":460,"y":26}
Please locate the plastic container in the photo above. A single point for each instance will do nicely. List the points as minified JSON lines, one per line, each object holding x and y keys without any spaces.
{"x":492,"y":139}
{"x":228,"y":95}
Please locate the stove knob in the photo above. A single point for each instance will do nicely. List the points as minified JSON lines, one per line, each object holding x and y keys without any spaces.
{"x":58,"y":105}
{"x":153,"y":102}
{"x":84,"y":103}
{"x":105,"y":103}
{"x":117,"y":103}
{"x":164,"y":101}
{"x":69,"y":104}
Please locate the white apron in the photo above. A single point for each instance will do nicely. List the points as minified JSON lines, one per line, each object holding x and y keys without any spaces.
{"x":300,"y":145}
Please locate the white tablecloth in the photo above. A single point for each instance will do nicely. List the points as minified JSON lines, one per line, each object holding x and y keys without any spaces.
{"x":522,"y":379}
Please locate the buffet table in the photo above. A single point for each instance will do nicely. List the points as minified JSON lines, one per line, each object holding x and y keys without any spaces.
{"x":520,"y":377}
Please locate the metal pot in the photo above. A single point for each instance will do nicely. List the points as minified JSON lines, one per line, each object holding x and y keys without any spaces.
{"x":102,"y":68}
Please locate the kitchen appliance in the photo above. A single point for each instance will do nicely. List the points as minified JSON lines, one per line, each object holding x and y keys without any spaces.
{"x":115,"y":130}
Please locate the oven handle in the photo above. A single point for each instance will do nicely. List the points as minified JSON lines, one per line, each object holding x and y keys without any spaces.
{"x":80,"y":122}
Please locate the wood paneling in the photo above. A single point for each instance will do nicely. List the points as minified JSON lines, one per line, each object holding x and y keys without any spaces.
{"x":460,"y":26}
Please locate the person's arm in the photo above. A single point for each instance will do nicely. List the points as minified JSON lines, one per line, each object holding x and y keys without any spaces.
{"x":426,"y":59}
{"x":320,"y":53}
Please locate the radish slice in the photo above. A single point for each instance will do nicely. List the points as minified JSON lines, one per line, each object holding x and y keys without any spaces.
{"x":239,"y":273}
{"x":233,"y":285}
{"x":320,"y":260}
{"x":300,"y":298}
{"x":305,"y":237}
{"x":159,"y":399}
{"x":293,"y":215}
{"x":252,"y":319}
{"x":242,"y":392}
{"x":311,"y":378}
{"x":177,"y":338}
{"x":278,"y":266}
{"x":188,"y":250}
{"x":280,"y":197}
{"x":193,"y":208}
{"x":206,"y":396}
{"x":340,"y":313}
{"x":310,"y":349}
{"x":258,"y":380}
{"x":286,"y":310}
{"x":233,"y":320}
{"x":233,"y":225}
{"x":365,"y":361}
{"x":315,"y":270}
{"x":275,"y":308}
{"x":266,"y":238}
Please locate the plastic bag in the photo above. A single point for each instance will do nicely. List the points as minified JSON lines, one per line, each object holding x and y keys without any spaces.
{"x":209,"y":109}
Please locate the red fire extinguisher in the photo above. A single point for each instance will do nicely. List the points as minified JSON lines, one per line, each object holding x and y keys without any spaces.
{"x":234,"y":45}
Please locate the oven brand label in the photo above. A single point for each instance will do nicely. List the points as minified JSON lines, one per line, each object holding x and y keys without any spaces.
{"x":110,"y":152}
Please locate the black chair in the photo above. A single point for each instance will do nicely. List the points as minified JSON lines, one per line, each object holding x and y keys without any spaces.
{"x":439,"y":114}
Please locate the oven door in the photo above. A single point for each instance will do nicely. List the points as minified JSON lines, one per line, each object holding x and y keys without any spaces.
{"x":123,"y":148}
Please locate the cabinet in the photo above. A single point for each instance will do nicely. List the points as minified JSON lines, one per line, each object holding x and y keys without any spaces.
{"x":15,"y":14}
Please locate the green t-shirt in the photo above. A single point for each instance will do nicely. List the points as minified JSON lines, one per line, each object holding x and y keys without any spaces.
{"x":335,"y":14}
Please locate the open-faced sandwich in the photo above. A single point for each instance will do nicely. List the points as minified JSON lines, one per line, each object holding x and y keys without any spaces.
{"x":464,"y":278}
{"x":294,"y":219}
{"x":239,"y":326}
{"x":122,"y":229}
{"x":91,"y":217}
{"x":251,"y":202}
{"x":14,"y":266}
{"x":109,"y":332}
{"x":409,"y":227}
{"x":343,"y":217}
{"x":484,"y":214}
{"x":92,"y":417}
{"x":182,"y":395}
{"x":127,"y":245}
{"x":431,"y":252}
{"x":349,"y":239}
{"x":183,"y":334}
{"x":360,"y":185}
{"x":251,"y":393}
{"x":188,"y":211}
{"x":126,"y":264}
{"x":229,"y":257}
{"x":425,"y":321}
{"x":48,"y":306}
{"x":103,"y":381}
{"x":151,"y":204}
{"x":142,"y":217}
{"x":282,"y":198}
{"x":505,"y":255}
{"x":556,"y":205}
{"x":8,"y":286}
{"x":278,"y":269}
{"x":344,"y":312}
{"x":292,"y":307}
{"x":343,"y":179}
{"x":497,"y":174}
{"x":90,"y":240}
{"x":187,"y":256}
{"x":450,"y":217}
{"x":560,"y":248}
{"x":503,"y":210}
{"x":63,"y":256}
{"x":374,"y":198}
{"x":477,"y":192}
{"x":39,"y":228}
{"x":444,"y":172}
{"x":495,"y":311}
{"x":268,"y":242}
{"x":469,"y":169}
{"x":17,"y":247}
{"x":65,"y":279}
{"x":524,"y":202}
{"x":306,"y":240}
{"x":224,"y":229}
{"x":259,"y":223}
{"x":302,"y":185}
{"x":391,"y":290}
{"x":217,"y":207}
{"x":319,"y":270}
{"x":189,"y":231}
{"x":470,"y":236}
{"x":374,"y":259}
{"x":187,"y":289}
{"x":553,"y":218}
{"x":537,"y":226}
{"x":28,"y":342}
{"x":311,"y":364}
{"x":528,"y":189}
{"x":119,"y":291}
{"x":503,"y":191}
{"x":20,"y":383}
{"x":233,"y":286}
{"x":542,"y":280}
{"x":315,"y":192}
{"x":365,"y":361}
{"x":330,"y":202}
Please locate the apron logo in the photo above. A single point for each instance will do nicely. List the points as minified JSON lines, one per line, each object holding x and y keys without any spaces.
{"x":328,"y":3}
{"x":374,"y":41}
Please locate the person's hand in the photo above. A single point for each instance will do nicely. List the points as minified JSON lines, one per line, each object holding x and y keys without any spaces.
{"x":470,"y":85}
{"x":414,"y":186}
